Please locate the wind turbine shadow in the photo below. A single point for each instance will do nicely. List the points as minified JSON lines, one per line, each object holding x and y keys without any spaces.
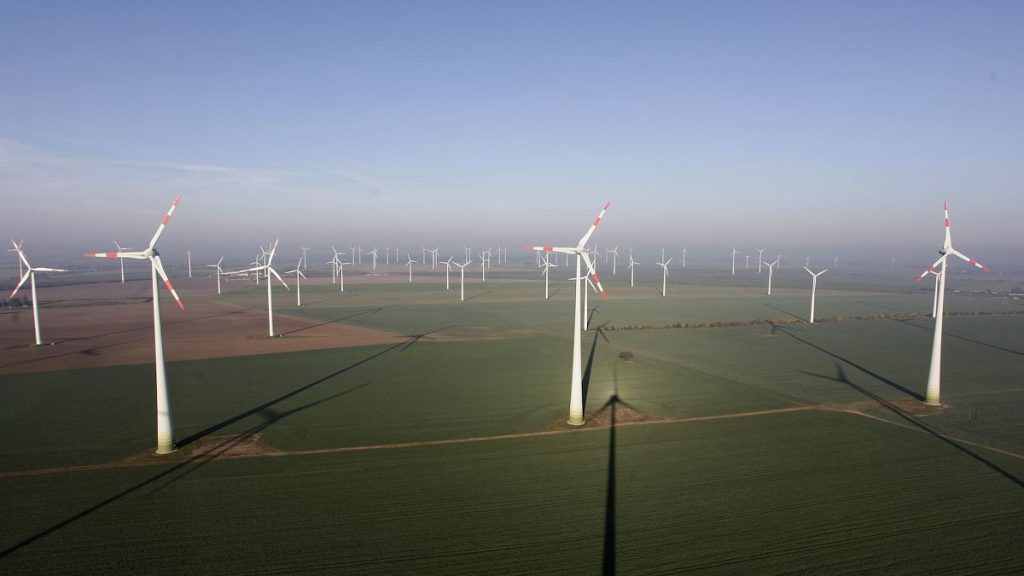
{"x":875,"y":375}
{"x":477,"y":295}
{"x":964,"y":338}
{"x":553,"y":292}
{"x":786,"y":312}
{"x":367,"y":312}
{"x":266,"y":405}
{"x":417,"y":337}
{"x":599,"y":331}
{"x":919,"y":424}
{"x":198,"y":459}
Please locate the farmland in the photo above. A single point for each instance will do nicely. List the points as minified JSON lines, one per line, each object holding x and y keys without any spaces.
{"x":737,"y":439}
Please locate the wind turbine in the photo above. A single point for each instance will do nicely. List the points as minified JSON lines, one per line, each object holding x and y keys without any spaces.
{"x":374,"y":254}
{"x":387,"y":256}
{"x":219,"y":272}
{"x":934,"y":371}
{"x":760,"y":258}
{"x":576,"y":383}
{"x":119,"y":249}
{"x":447,"y":271}
{"x":189,"y":252}
{"x":462,"y":280}
{"x":771,"y":267}
{"x":483,"y":267}
{"x":341,"y":273}
{"x":409,"y":264}
{"x":298,"y":282}
{"x":164,"y":425}
{"x":433,"y":253}
{"x":664,"y":276}
{"x":30,"y":275}
{"x":814,"y":287}
{"x":746,"y":265}
{"x":17,"y":247}
{"x":684,"y":256}
{"x":546,"y":273}
{"x":615,"y":256}
{"x":734,"y":253}
{"x":632,"y":266}
{"x":304,"y":250}
{"x":268,"y":268}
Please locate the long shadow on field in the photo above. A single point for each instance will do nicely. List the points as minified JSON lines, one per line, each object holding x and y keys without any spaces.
{"x":786,"y":312}
{"x":919,"y":424}
{"x":875,"y":375}
{"x":477,"y":295}
{"x":417,"y":337}
{"x":964,"y":338}
{"x":599,"y":331}
{"x":368,"y":312}
{"x":608,"y":550}
{"x":199,"y":460}
{"x":266,"y":405}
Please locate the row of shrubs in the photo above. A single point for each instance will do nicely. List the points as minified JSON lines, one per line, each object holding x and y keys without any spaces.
{"x":785,"y":321}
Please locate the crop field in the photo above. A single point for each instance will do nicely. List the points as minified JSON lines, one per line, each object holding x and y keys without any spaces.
{"x":724,"y":435}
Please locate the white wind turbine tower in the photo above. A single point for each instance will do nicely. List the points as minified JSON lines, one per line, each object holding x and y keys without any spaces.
{"x":576,"y":383}
{"x":409,"y":263}
{"x":447,"y":272}
{"x":387,"y":256}
{"x":268,"y":268}
{"x":835,"y":263}
{"x":298,"y":282}
{"x":341,"y":272}
{"x":433,"y":256}
{"x":219,"y":272}
{"x":462,"y":280}
{"x":189,"y":252}
{"x":814,"y":287}
{"x":164,"y":425}
{"x":615,"y":256}
{"x":934,"y":371}
{"x":746,"y":265}
{"x":304,"y":250}
{"x":771,"y":267}
{"x":374,"y":254}
{"x":30,"y":275}
{"x":734,"y":253}
{"x":547,"y":275}
{"x":632,"y":266}
{"x":334,"y":265}
{"x":119,"y":249}
{"x":664,"y":276}
{"x":760,"y":258}
{"x":483,"y":267}
{"x":684,"y":256}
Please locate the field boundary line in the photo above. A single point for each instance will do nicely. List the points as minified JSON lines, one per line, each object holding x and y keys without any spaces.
{"x":400,"y":445}
{"x":917,"y":429}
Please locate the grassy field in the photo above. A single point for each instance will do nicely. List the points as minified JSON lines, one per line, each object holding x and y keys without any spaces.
{"x":753,"y":449}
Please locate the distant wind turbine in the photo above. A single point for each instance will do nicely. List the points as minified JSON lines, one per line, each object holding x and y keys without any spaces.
{"x":219,"y":272}
{"x":771,"y":267}
{"x":298,"y":282}
{"x":30,"y":275}
{"x":664,"y":276}
{"x":814,"y":287}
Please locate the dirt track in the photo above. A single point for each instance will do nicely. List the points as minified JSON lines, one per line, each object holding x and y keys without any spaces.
{"x":110,"y":324}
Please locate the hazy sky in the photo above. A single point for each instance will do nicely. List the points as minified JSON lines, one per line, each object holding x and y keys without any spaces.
{"x":766,"y":123}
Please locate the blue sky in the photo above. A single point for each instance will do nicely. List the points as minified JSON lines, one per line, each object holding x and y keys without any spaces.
{"x":837,"y":125}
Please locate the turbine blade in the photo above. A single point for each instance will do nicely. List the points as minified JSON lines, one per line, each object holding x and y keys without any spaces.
{"x":970,"y":261}
{"x":930,"y":269}
{"x":23,"y":279}
{"x":590,"y":268}
{"x":167,"y":281}
{"x":278,"y":276}
{"x":49,"y":270}
{"x":597,"y":221}
{"x":163,"y":224}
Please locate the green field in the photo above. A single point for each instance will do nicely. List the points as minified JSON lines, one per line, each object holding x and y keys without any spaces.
{"x":759,"y":445}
